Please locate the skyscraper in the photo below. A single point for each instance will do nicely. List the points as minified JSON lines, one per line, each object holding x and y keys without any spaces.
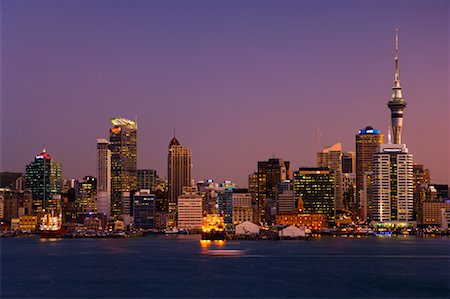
{"x":331,"y":157}
{"x":146,"y":179}
{"x":44,"y":179}
{"x":270,"y":174}
{"x":123,"y":146}
{"x":179,"y":173}
{"x":397,"y":104}
{"x":315,"y":188}
{"x":367,"y":142}
{"x":348,"y":162}
{"x":103,"y":177}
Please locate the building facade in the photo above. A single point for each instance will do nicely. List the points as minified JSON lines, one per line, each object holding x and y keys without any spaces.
{"x":190,"y":214}
{"x":331,"y":157}
{"x":123,"y":146}
{"x":103,"y":177}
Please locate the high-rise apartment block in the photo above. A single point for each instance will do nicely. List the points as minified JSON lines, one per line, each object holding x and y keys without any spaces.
{"x":190,"y":213}
{"x":123,"y":146}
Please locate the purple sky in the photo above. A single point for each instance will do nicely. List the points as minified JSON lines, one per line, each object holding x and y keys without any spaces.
{"x":239,"y":80}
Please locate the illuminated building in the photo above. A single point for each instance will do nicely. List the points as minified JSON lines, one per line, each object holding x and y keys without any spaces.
{"x":123,"y":146}
{"x":331,"y":157}
{"x":242,"y":207}
{"x":286,"y":197}
{"x":179,"y":173}
{"x":190,"y":214}
{"x":421,"y":179}
{"x":208,"y":190}
{"x":103,"y":177}
{"x":225,"y":201}
{"x":270,"y":174}
{"x":367,"y":142}
{"x":432,"y":211}
{"x":87,"y":200}
{"x":349,"y":191}
{"x":315,"y":186}
{"x":144,"y":205}
{"x":28,"y":223}
{"x":393,"y":184}
{"x":146,"y":179}
{"x":43,"y":179}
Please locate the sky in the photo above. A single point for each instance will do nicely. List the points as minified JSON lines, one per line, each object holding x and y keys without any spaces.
{"x":239,"y":81}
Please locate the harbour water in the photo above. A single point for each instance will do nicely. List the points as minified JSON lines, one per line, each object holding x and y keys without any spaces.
{"x":177,"y":266}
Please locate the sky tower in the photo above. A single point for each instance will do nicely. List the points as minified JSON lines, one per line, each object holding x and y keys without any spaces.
{"x":397,"y":104}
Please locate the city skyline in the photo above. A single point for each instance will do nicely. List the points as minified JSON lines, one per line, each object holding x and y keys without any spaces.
{"x":219,"y":117}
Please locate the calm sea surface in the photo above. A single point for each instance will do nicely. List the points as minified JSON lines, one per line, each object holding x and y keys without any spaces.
{"x":159,"y":266}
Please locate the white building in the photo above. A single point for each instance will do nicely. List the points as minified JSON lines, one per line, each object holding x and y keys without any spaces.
{"x":190,"y":212}
{"x":247,"y":228}
{"x":292,"y":232}
{"x":392,"y":184}
{"x":103,"y":177}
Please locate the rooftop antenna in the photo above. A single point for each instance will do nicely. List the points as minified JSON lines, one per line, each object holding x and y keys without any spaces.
{"x":174,"y":133}
{"x":396,"y":56}
{"x":135,"y":120}
{"x":43,"y":148}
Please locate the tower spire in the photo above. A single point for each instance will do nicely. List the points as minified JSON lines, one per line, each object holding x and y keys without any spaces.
{"x":396,"y":78}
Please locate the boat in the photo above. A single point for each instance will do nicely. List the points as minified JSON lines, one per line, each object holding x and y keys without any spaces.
{"x":51,"y":226}
{"x":224,"y":252}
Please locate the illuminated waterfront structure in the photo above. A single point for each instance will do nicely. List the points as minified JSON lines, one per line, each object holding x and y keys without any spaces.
{"x":367,"y":142}
{"x":123,"y":146}
{"x":392,"y":196}
{"x":179,"y":173}
{"x":43,"y":179}
{"x":315,"y":187}
{"x":331,"y":157}
{"x":270,"y":174}
{"x":103,"y":177}
{"x":397,"y":104}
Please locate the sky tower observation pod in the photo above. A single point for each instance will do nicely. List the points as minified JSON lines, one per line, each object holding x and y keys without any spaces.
{"x":120,"y":121}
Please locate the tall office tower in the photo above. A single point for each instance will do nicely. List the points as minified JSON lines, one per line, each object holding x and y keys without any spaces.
{"x":397,"y":104}
{"x":349,"y":162}
{"x":331,"y":157}
{"x":270,"y":174}
{"x":144,"y":209}
{"x":103,"y":177}
{"x":393,"y":184}
{"x":43,"y":179}
{"x":146,"y":179}
{"x":315,"y":188}
{"x":123,"y":146}
{"x":367,"y":142}
{"x":179,"y":173}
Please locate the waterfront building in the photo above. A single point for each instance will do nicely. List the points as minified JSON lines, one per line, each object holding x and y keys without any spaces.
{"x":331,"y":157}
{"x":179,"y":173}
{"x":285,"y":197}
{"x":144,"y":205}
{"x":208,"y":190}
{"x":190,"y":214}
{"x":270,"y":174}
{"x":146,"y":179}
{"x":225,"y":205}
{"x":123,"y":146}
{"x":28,"y":223}
{"x":43,"y":179}
{"x":242,"y":203}
{"x":311,"y":221}
{"x":87,"y":199}
{"x":349,"y":162}
{"x":247,"y":228}
{"x":393,"y":184}
{"x":103,"y":177}
{"x":432,"y":211}
{"x":315,"y":188}
{"x":367,"y":142}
